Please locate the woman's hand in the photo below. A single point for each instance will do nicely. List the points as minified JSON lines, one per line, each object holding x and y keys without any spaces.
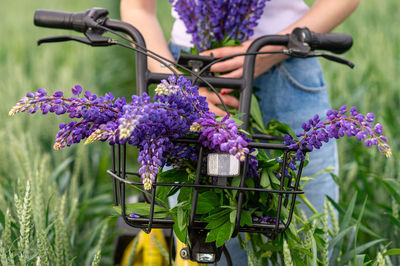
{"x":233,"y":68}
{"x":213,"y":100}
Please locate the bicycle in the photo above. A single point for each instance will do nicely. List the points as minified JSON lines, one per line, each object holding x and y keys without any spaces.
{"x":300,"y":43}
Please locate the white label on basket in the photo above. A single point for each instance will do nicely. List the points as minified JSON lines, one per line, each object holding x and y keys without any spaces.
{"x":222,"y":164}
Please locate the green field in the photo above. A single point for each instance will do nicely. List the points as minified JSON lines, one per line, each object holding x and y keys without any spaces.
{"x":71,"y":196}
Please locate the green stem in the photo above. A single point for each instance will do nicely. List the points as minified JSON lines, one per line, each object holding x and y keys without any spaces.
{"x":312,"y":208}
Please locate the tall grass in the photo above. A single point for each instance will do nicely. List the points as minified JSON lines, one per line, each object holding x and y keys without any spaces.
{"x":373,"y":86}
{"x":54,"y":206}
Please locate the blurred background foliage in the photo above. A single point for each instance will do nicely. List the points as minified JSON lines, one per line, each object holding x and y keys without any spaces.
{"x":65,"y":197}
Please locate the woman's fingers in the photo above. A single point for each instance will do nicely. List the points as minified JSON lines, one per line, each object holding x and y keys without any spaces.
{"x":217,"y":111}
{"x":228,"y":65}
{"x":226,"y":91}
{"x":213,"y":100}
{"x":237,"y":73}
{"x":223,"y":51}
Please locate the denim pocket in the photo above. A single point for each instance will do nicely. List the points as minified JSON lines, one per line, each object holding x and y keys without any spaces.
{"x":304,"y":73}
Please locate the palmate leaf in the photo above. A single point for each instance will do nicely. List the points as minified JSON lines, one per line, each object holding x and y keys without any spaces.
{"x":221,"y":234}
{"x":207,"y":202}
{"x":143,"y":209}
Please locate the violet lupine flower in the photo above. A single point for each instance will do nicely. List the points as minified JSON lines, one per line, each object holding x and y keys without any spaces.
{"x":265,"y":220}
{"x":224,"y":135}
{"x":149,"y":124}
{"x":134,"y":215}
{"x":337,"y":125}
{"x":96,"y":113}
{"x":209,"y":21}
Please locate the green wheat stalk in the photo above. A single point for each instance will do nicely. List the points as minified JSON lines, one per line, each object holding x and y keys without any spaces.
{"x":133,"y":250}
{"x":6,"y":235}
{"x":325,"y":236}
{"x":38,"y":261}
{"x":395,"y":208}
{"x":59,"y":227}
{"x":163,"y":251}
{"x":41,"y":244}
{"x":97,"y":256}
{"x":287,"y":258}
{"x":3,"y":255}
{"x":11,"y":261}
{"x":24,"y":216}
{"x":333,"y":218}
{"x":49,"y":248}
{"x":38,"y":203}
{"x":380,"y":260}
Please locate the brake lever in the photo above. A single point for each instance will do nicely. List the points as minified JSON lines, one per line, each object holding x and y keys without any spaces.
{"x":98,"y":41}
{"x":335,"y":58}
{"x":303,"y":54}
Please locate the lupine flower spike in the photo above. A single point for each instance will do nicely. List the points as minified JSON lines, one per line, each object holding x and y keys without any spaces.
{"x":216,"y":21}
{"x":338,"y":124}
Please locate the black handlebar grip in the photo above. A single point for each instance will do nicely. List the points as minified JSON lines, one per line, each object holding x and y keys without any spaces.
{"x":334,"y":42}
{"x":60,"y":20}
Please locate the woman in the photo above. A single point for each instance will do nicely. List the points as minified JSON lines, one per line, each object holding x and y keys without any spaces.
{"x":291,"y":90}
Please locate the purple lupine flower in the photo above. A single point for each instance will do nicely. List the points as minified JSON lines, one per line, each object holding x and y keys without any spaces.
{"x":212,"y":21}
{"x":134,"y":215}
{"x":338,"y":125}
{"x":224,"y":136}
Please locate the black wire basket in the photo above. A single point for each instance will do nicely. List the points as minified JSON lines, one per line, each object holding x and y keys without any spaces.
{"x":289,"y":188}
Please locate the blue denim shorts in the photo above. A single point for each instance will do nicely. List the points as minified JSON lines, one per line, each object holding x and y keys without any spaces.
{"x":293,"y":92}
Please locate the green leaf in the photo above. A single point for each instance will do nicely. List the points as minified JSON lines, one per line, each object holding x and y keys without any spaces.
{"x":360,"y":259}
{"x":362,"y":227}
{"x":393,"y":251}
{"x":274,"y":127}
{"x":180,"y":234}
{"x":235,"y":183}
{"x":224,"y":233}
{"x":172,"y":175}
{"x":314,"y":251}
{"x":231,"y":43}
{"x":237,"y":121}
{"x":340,"y":236}
{"x":348,"y":215}
{"x":245,"y":219}
{"x":392,"y":186}
{"x":315,"y":216}
{"x":207,"y":201}
{"x":143,"y":209}
{"x":255,"y":112}
{"x":265,"y":182}
{"x":218,"y":222}
{"x":218,"y":214}
{"x":346,"y":257}
{"x":181,"y":219}
{"x":232,"y":216}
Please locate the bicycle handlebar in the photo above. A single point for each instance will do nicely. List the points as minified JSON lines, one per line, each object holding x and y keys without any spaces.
{"x":300,"y":43}
{"x":333,"y":42}
{"x":60,"y":20}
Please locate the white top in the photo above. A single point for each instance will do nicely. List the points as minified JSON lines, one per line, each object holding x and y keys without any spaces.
{"x":277,"y":15}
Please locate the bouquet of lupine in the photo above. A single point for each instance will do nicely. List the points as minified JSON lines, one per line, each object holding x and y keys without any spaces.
{"x":217,"y":23}
{"x":176,"y":111}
